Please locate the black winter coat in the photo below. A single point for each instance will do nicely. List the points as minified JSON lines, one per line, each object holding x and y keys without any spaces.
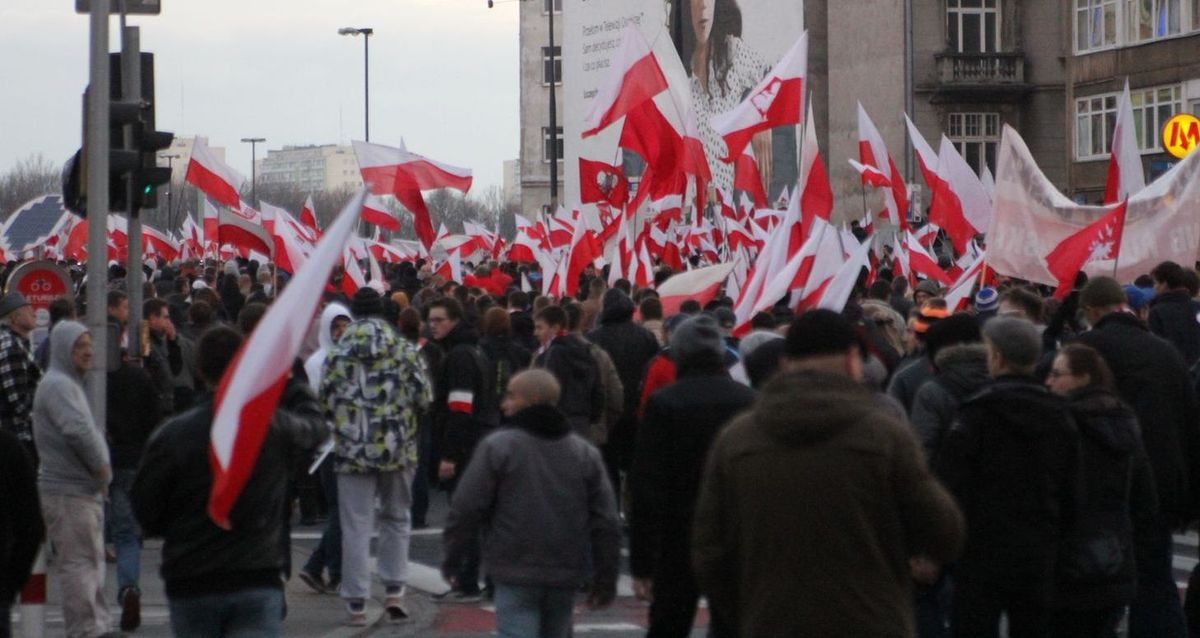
{"x":630,"y":346}
{"x":21,"y":526}
{"x":170,"y":499}
{"x":569,"y":359}
{"x":133,"y":413}
{"x":1012,"y":462}
{"x":1152,"y":379}
{"x":961,"y":372}
{"x":676,"y":433}
{"x":1117,"y":505}
{"x":463,"y":369}
{"x":1173,"y":316}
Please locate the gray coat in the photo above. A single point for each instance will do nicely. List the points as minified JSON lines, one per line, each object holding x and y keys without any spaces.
{"x":543,"y":500}
{"x":962,"y":371}
{"x":73,"y":453}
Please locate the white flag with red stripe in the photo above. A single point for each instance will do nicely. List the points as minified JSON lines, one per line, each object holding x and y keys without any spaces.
{"x":635,"y":79}
{"x":701,"y":284}
{"x":961,"y":206}
{"x":213,"y":177}
{"x":873,"y":152}
{"x":777,"y":100}
{"x":1125,"y":176}
{"x":252,"y":384}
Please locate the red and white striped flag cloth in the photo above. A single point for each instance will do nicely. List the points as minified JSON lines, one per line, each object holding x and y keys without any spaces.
{"x":308,"y":217}
{"x":701,"y":284}
{"x":961,"y":206}
{"x":635,"y":79}
{"x":213,"y":177}
{"x":747,"y":178}
{"x":838,"y":292}
{"x":873,"y":152}
{"x":777,"y":100}
{"x":816,"y":195}
{"x":927,"y":159}
{"x":252,"y":384}
{"x":376,"y":212}
{"x":1125,"y":176}
{"x":160,"y":243}
{"x":922,"y":263}
{"x":395,"y":171}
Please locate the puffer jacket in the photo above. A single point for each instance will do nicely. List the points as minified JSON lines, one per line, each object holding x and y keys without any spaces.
{"x":373,"y":391}
{"x":1118,"y":504}
{"x":961,"y":372}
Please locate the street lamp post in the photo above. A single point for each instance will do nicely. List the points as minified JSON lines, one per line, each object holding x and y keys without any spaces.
{"x":170,"y":157}
{"x":366,"y":33}
{"x":253,"y":142}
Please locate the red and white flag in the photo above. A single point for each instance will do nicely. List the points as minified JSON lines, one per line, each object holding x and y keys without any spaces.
{"x":635,"y":79}
{"x":234,"y":229}
{"x":252,"y":384}
{"x":871,"y":176}
{"x":816,"y":195}
{"x":602,"y":182}
{"x":701,"y":284}
{"x":747,"y":178}
{"x":927,"y":159}
{"x":1098,"y":241}
{"x":158,"y":241}
{"x":396,"y":171}
{"x":959,"y":293}
{"x":1125,"y":176}
{"x":213,"y":177}
{"x":777,"y":100}
{"x":308,"y":217}
{"x":838,"y":292}
{"x":961,"y":206}
{"x":873,"y":152}
{"x":376,"y":212}
{"x":921,"y":262}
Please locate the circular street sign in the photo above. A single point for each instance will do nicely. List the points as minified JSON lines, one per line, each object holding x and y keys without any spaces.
{"x":1181,"y":135}
{"x":41,"y":282}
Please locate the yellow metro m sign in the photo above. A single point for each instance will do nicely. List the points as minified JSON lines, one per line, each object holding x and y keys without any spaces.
{"x":1181,"y":135}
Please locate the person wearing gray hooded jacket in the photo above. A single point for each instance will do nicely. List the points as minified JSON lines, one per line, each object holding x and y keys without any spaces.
{"x":72,"y":479}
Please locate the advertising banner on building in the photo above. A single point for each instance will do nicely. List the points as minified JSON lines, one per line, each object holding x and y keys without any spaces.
{"x":712,"y":52}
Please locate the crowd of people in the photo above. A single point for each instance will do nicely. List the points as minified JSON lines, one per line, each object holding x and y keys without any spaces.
{"x":898,"y":468}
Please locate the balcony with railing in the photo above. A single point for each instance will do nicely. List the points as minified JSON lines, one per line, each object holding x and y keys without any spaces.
{"x":980,"y":75}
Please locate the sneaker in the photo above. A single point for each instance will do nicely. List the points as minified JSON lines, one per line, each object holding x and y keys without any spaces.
{"x":314,"y":581}
{"x":458,"y":596}
{"x":356,"y":614}
{"x":131,"y":608}
{"x":394,"y":604}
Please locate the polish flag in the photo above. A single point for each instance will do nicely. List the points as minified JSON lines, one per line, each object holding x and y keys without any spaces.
{"x":308,"y":217}
{"x":1098,"y":241}
{"x":252,"y":384}
{"x":461,"y":401}
{"x":927,"y":159}
{"x":160,"y":243}
{"x":602,"y":182}
{"x":816,"y":198}
{"x":695,"y":162}
{"x":210,"y":222}
{"x":526,"y":247}
{"x":838,"y":292}
{"x":584,"y":251}
{"x":961,"y":205}
{"x":701,"y":284}
{"x":376,"y":212}
{"x":236,"y":230}
{"x":927,"y":233}
{"x":451,"y":269}
{"x":193,"y":235}
{"x":353,"y":277}
{"x":396,"y":171}
{"x":1125,"y":176}
{"x":635,"y":79}
{"x":922,"y":262}
{"x":818,"y":263}
{"x":959,"y":293}
{"x":292,"y":249}
{"x":870,"y":175}
{"x":777,"y":100}
{"x":873,"y":152}
{"x":747,"y":178}
{"x":213,"y":177}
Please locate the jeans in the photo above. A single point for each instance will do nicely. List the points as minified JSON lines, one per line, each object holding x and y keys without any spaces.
{"x":1156,"y":611}
{"x":531,"y":611}
{"x":676,"y":593}
{"x":248,"y":613}
{"x":126,"y":535}
{"x":75,"y":528}
{"x":933,"y":608}
{"x":328,"y":554}
{"x":467,"y":573}
{"x":356,"y":506}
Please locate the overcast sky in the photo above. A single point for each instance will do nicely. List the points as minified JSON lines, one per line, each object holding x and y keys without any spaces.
{"x":444,"y":75}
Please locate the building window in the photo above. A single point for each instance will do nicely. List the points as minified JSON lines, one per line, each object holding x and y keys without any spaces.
{"x":546,"y":144}
{"x":1151,"y":110}
{"x":976,"y":136}
{"x":1102,"y":24}
{"x":973,"y":26}
{"x":551,"y":72}
{"x":546,"y":6}
{"x":1095,"y":118}
{"x":1150,"y":19}
{"x":1095,"y":24}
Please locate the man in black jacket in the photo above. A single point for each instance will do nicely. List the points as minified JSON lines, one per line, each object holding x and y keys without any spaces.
{"x":464,"y":410}
{"x":567,"y":357}
{"x":1012,"y":462}
{"x":677,"y":430}
{"x":1174,"y":315}
{"x":21,"y":526}
{"x":216,"y":577}
{"x":1152,"y":378}
{"x":631,"y":348}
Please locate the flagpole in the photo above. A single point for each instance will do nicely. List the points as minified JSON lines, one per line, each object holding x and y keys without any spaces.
{"x":1121,"y":233}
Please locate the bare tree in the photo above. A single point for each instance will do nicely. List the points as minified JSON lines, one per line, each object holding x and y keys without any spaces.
{"x":31,"y":177}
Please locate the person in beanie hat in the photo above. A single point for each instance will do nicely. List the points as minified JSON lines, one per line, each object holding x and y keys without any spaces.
{"x":19,"y":375}
{"x":987,"y":303}
{"x":375,"y":386}
{"x":917,"y":369}
{"x":677,"y":429}
{"x":926,"y":289}
{"x":783,"y":486}
{"x":1151,"y":377}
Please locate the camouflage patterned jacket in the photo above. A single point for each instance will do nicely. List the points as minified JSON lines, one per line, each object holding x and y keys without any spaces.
{"x":375,"y":387}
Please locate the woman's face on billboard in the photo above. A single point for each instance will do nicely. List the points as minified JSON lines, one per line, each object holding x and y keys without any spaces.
{"x":702,"y":18}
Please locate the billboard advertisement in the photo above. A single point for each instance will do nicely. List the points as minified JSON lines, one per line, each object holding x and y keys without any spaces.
{"x":712,"y":52}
